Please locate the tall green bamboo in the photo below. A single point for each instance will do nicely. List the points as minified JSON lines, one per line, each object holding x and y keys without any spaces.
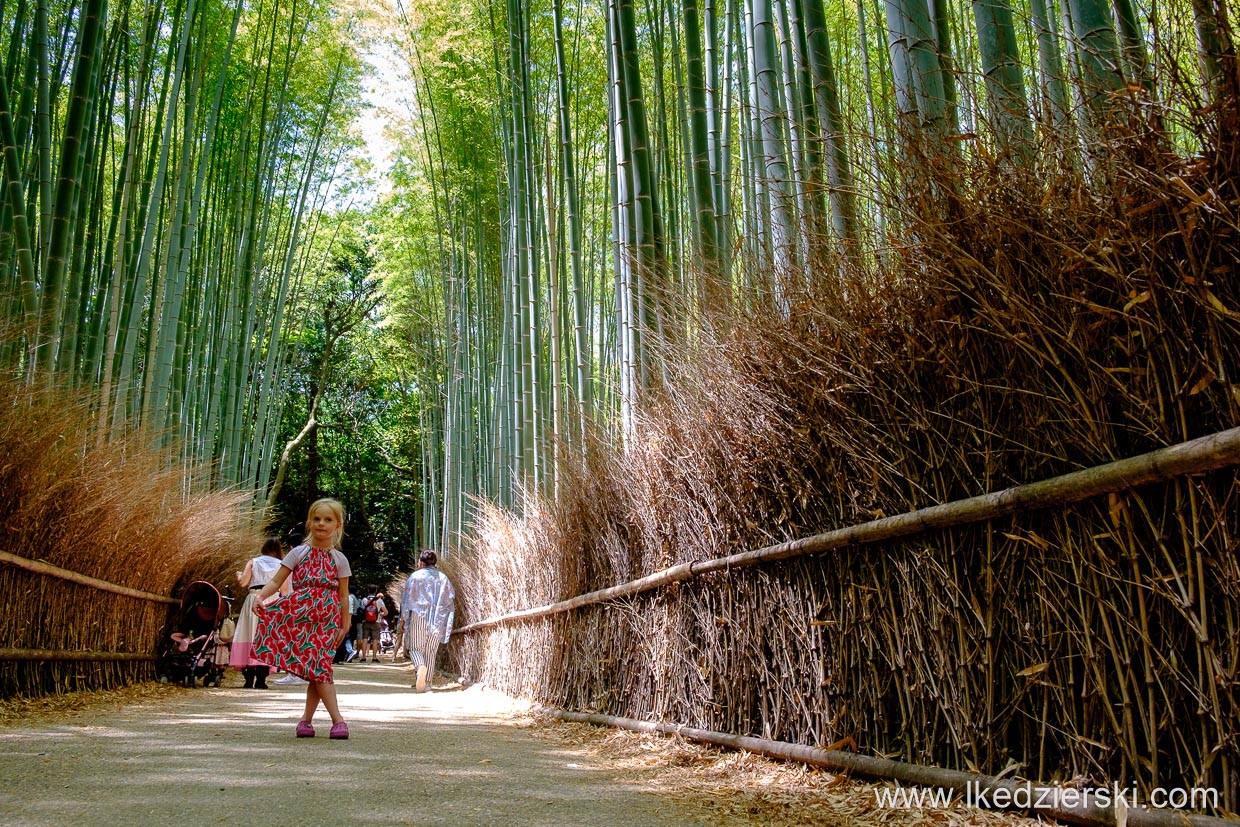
{"x":702,"y":183}
{"x":649,"y":270}
{"x":1050,"y":68}
{"x":1096,"y":47}
{"x":583,"y":384}
{"x":1213,"y":42}
{"x":749,"y":130}
{"x":166,"y":304}
{"x":831,"y":127}
{"x":770,"y":118}
{"x":152,"y":212}
{"x":81,"y":96}
{"x":128,"y":182}
{"x":1005,"y":86}
{"x":16,"y":196}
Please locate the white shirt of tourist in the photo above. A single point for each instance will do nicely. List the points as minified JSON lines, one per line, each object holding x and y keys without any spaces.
{"x":262,"y":569}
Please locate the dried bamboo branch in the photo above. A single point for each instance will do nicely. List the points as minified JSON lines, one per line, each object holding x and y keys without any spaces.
{"x":81,"y":579}
{"x":982,"y":787}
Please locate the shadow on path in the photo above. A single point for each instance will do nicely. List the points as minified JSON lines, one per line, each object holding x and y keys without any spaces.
{"x":228,"y":756}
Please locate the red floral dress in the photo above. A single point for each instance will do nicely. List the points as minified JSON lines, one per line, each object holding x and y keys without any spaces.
{"x":297,"y":633}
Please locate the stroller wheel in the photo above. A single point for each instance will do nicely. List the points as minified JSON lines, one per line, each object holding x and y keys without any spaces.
{"x":189,"y":681}
{"x":163,"y":679}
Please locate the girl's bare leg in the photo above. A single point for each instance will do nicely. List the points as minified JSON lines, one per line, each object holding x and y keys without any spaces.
{"x":313,"y":695}
{"x":327,"y":693}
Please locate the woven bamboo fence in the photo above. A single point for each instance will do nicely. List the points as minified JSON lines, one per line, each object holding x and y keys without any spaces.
{"x":63,"y":630}
{"x":1049,"y":639}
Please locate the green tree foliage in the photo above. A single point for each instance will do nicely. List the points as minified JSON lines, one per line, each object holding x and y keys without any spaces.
{"x":347,"y":416}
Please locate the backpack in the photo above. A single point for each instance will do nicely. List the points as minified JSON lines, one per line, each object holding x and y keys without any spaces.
{"x":370,"y":611}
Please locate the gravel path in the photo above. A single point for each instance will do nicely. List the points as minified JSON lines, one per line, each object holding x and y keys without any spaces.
{"x":228,"y":756}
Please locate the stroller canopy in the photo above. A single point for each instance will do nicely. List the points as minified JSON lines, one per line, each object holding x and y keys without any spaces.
{"x":201,"y":603}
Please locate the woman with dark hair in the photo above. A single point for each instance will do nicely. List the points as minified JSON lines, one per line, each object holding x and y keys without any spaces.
{"x":256,"y":574}
{"x":426,"y":612}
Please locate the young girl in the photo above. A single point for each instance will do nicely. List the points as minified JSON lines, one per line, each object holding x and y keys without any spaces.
{"x":299,"y":633}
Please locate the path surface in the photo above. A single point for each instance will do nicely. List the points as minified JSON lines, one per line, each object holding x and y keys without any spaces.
{"x":228,"y":756}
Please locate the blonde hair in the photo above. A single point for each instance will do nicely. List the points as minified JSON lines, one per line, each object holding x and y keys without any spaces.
{"x":336,"y":509}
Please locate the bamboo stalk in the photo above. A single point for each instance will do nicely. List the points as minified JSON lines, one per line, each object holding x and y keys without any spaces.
{"x":81,"y":579}
{"x":1208,"y":453}
{"x":48,"y":654}
{"x":981,"y":787}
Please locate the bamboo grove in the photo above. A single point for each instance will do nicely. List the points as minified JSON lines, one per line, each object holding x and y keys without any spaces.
{"x":166,"y":169}
{"x":603,"y":181}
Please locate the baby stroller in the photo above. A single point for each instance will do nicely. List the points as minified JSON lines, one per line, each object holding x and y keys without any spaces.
{"x":190,"y":655}
{"x":387,"y":640}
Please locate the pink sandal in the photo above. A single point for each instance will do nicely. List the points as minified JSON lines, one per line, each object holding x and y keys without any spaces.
{"x":304,"y":730}
{"x":340,"y":731}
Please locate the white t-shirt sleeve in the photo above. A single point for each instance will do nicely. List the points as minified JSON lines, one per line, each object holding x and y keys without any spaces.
{"x":294,"y":557}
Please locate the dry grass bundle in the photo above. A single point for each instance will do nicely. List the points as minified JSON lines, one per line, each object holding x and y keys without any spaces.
{"x":113,"y":510}
{"x":1030,"y":323}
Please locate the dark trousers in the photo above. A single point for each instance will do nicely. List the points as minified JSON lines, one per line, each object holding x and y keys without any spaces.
{"x":256,"y":676}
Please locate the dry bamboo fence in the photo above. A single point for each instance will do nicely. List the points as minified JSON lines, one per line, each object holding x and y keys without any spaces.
{"x":1031,"y":326}
{"x":1208,"y":453}
{"x":118,"y":528}
{"x":108,"y":639}
{"x":694,"y":634}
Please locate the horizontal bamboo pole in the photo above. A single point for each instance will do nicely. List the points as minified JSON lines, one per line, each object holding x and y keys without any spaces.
{"x":1197,"y":456}
{"x":51,"y":654}
{"x":979,"y":789}
{"x":81,"y":579}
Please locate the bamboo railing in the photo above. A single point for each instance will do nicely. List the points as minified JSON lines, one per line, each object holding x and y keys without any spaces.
{"x":1052,"y":801}
{"x":49,"y":570}
{"x":937,"y":649}
{"x":1197,"y":456}
{"x":69,"y":655}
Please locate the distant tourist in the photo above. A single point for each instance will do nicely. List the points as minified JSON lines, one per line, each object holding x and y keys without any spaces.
{"x":426,"y":615}
{"x":256,"y":574}
{"x":299,"y":632}
{"x":373,"y":611}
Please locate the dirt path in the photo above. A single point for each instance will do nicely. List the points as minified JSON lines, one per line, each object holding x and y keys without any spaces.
{"x":228,"y":756}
